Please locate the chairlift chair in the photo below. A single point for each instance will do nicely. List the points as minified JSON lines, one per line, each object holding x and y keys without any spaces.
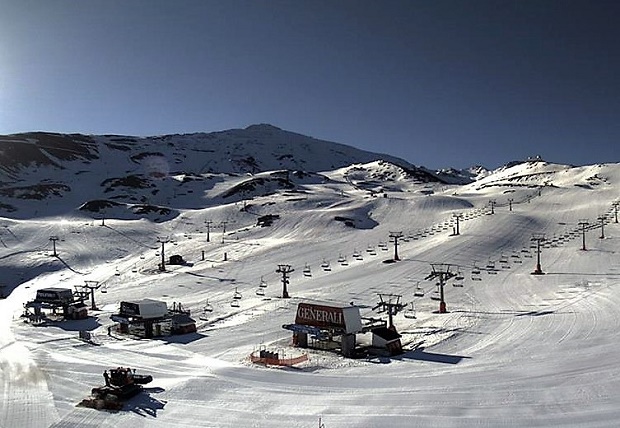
{"x":260,"y":291}
{"x":262,"y":283}
{"x":237,"y":295}
{"x":410,"y":313}
{"x":234,"y":303}
{"x":307,"y":271}
{"x":435,"y":295}
{"x":419,"y":292}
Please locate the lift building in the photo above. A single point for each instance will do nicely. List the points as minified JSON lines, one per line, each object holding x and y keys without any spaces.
{"x":151,"y":318}
{"x":55,"y":301}
{"x":327,"y":327}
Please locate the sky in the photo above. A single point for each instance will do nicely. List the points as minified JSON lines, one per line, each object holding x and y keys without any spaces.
{"x":439,"y":83}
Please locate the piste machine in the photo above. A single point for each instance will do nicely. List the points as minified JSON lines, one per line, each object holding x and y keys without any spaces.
{"x":121,"y":384}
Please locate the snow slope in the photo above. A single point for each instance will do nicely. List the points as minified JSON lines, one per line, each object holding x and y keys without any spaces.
{"x":514,"y":350}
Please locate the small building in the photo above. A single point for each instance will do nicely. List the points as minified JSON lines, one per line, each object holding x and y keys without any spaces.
{"x":326,"y":326}
{"x":151,"y":318}
{"x":387,"y":338}
{"x":182,"y":323}
{"x":144,"y":318}
{"x":176,"y":259}
{"x":57,"y":302}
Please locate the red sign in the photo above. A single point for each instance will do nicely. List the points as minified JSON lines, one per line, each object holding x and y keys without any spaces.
{"x":320,"y":316}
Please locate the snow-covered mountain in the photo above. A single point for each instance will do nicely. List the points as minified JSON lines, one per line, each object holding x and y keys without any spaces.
{"x":513,"y":350}
{"x":170,"y":171}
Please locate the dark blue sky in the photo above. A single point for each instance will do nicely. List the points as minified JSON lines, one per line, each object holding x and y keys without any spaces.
{"x":436,"y":82}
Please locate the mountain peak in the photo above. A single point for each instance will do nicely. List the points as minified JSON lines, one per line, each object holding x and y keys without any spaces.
{"x":262,"y":127}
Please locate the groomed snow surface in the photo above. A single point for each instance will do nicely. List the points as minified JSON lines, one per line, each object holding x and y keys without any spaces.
{"x":514,"y":350}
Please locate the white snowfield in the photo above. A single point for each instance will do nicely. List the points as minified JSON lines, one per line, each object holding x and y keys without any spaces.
{"x":514,"y":349}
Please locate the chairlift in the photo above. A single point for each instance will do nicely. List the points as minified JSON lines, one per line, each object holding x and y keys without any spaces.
{"x":475,"y":274}
{"x":435,"y":295}
{"x":104,"y":289}
{"x":234,"y":303}
{"x":117,"y":273}
{"x":457,"y":284}
{"x":260,"y":291}
{"x":237,"y":295}
{"x":410,"y":313}
{"x":307,"y":271}
{"x":341,"y":258}
{"x":262,"y":283}
{"x":419,"y":291}
{"x":207,"y":307}
{"x":459,"y":276}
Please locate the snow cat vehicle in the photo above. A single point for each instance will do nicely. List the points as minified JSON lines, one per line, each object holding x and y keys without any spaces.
{"x":121,"y":384}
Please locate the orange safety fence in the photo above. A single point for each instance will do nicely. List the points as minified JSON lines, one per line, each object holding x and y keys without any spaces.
{"x":279,"y":361}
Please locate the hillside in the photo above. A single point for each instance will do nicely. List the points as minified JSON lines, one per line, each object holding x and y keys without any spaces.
{"x":513,"y":350}
{"x":170,"y":172}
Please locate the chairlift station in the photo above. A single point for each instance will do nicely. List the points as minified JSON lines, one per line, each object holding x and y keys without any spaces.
{"x":324,"y":326}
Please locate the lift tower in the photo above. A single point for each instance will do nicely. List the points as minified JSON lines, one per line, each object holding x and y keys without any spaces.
{"x":538,"y":238}
{"x":457,"y":217}
{"x":583,"y":223}
{"x":395,"y":236}
{"x":392,"y":304}
{"x":285,"y":270}
{"x":442,"y":272}
{"x":54,"y":239}
{"x":163,"y":240}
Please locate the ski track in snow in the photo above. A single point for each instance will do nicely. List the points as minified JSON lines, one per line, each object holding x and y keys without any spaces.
{"x":514,"y":350}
